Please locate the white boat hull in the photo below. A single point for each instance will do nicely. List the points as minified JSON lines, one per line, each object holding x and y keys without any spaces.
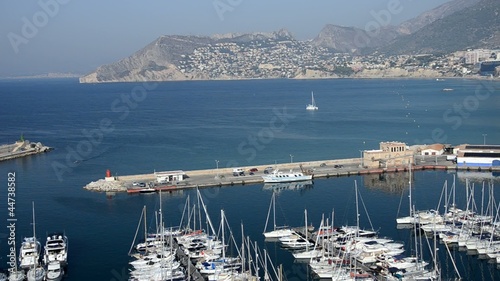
{"x":277,"y":177}
{"x":279,"y":233}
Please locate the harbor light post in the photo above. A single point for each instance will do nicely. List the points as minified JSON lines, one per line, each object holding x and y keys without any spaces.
{"x":291,"y":158}
{"x":217,"y":165}
{"x":361,"y":159}
{"x":484,"y":139}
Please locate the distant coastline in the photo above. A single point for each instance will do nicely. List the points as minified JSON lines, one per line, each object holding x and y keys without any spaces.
{"x":416,"y":77}
{"x":469,"y":77}
{"x":43,"y":76}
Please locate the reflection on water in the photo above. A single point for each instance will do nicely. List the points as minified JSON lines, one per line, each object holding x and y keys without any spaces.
{"x":389,"y":182}
{"x":397,"y":182}
{"x":277,"y":187}
{"x":478,"y":177}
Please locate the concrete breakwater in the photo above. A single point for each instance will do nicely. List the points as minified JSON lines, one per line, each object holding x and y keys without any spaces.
{"x":21,"y":149}
{"x":210,"y":177}
{"x":224,"y":176}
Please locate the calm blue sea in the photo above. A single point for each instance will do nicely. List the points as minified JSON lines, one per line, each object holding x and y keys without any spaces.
{"x":134,"y":128}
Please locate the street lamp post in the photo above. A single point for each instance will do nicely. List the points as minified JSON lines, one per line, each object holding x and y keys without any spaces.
{"x":217,"y":165}
{"x":361,"y":159}
{"x":291,"y":158}
{"x":484,"y":139}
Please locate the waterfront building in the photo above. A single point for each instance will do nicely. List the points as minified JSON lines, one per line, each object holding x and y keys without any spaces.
{"x":479,"y":156}
{"x":433,"y":149}
{"x":170,"y":176}
{"x":390,"y":154}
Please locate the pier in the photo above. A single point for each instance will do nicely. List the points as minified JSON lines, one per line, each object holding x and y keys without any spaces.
{"x":21,"y":148}
{"x":224,"y":176}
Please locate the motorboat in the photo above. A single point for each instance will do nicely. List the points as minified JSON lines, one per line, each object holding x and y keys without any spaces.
{"x":277,"y":176}
{"x":56,"y":249}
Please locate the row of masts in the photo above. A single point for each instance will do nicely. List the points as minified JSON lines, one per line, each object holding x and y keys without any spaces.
{"x":191,"y":252}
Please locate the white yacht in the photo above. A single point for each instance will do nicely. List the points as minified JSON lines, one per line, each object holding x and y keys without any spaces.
{"x":56,"y":249}
{"x":29,"y":253}
{"x":277,"y":176}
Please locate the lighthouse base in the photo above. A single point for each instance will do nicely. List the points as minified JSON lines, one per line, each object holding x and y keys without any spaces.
{"x":109,"y":178}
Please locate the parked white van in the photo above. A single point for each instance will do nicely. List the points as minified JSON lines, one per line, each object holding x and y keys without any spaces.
{"x":238,"y":172}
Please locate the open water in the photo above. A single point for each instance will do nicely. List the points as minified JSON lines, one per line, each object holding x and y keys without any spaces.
{"x":133,"y":128}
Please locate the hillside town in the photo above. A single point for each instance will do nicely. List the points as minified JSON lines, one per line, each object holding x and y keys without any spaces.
{"x":271,"y":58}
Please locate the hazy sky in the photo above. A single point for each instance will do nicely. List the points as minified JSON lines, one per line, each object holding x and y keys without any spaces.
{"x":41,"y":36}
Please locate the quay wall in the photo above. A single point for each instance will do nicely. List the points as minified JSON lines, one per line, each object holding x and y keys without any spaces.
{"x":224,"y":176}
{"x":223,"y":171}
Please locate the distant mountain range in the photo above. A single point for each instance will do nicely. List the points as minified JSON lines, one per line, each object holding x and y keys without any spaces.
{"x":351,"y":39}
{"x":456,"y":25}
{"x":474,"y":26}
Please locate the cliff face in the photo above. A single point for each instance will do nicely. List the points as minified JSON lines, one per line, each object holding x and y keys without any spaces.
{"x":353,"y":40}
{"x":155,"y":62}
{"x":356,"y":40}
{"x":475,"y":27}
{"x":426,"y":18}
{"x":161,"y":59}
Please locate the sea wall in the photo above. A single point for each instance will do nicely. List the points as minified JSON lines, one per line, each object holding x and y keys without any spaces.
{"x":21,"y":149}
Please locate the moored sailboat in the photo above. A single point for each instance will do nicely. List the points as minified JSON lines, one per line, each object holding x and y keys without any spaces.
{"x":277,"y":232}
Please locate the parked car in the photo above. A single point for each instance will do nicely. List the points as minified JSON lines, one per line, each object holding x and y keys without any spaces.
{"x":238,"y":172}
{"x":268,"y":170}
{"x":253,"y":170}
{"x":141,"y":184}
{"x":338,"y":166}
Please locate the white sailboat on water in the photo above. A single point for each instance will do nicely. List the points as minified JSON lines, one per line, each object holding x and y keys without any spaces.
{"x":312,"y":106}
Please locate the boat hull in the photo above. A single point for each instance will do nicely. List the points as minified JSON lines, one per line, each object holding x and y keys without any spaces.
{"x":277,"y":179}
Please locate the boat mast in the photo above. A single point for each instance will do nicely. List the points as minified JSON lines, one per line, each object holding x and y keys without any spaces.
{"x":242,"y":249}
{"x":222,"y":231}
{"x":268,"y":213}
{"x":137,"y":231}
{"x":357,"y":208}
{"x":274,"y":210}
{"x":306,"y":230}
{"x":249,"y":254}
{"x":145,"y":231}
{"x":34,"y":237}
{"x":409,"y":195}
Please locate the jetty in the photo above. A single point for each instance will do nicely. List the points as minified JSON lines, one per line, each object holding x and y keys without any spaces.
{"x":224,"y":176}
{"x":21,"y":148}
